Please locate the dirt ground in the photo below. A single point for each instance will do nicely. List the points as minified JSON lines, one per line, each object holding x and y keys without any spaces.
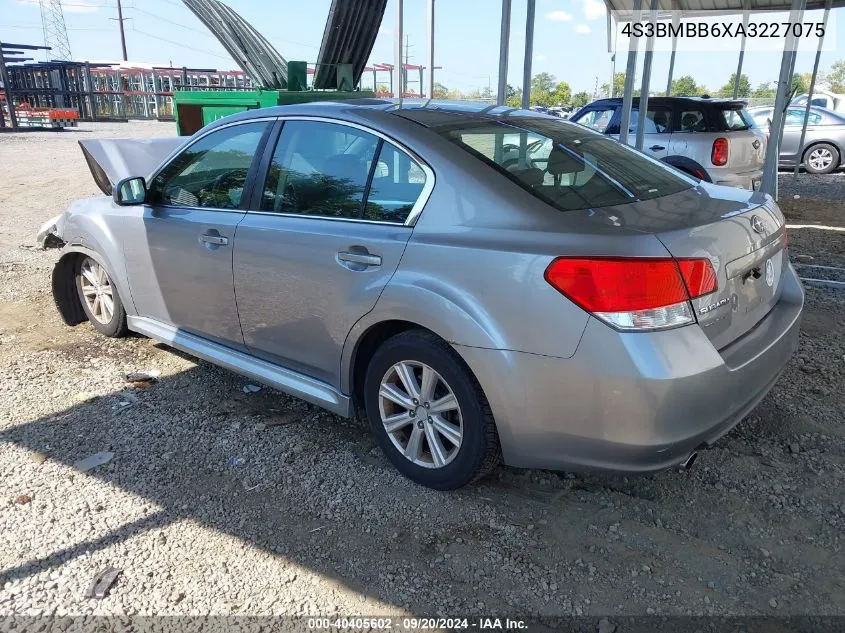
{"x":217,"y":501}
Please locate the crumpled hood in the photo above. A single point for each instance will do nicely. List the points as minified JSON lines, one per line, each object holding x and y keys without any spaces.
{"x":112,"y":160}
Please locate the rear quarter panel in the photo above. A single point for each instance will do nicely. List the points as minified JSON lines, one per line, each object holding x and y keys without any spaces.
{"x":473,"y":270}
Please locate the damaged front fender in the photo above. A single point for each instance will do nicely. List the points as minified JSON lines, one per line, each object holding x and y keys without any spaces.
{"x":49,"y":235}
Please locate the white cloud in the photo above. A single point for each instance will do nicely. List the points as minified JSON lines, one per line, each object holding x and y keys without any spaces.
{"x":594,"y":9}
{"x":583,"y":29}
{"x":384,"y":31}
{"x":77,"y":6}
{"x":540,"y":58}
{"x":558,"y":16}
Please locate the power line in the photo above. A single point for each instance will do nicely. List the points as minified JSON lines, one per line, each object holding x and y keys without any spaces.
{"x":179,"y":44}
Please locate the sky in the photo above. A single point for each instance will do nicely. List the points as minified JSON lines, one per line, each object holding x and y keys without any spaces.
{"x":570,"y":39}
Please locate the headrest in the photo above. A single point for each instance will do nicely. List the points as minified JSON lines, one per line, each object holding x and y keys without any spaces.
{"x":563,"y":162}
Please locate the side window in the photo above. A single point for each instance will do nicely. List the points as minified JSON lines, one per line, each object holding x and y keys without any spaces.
{"x":657,"y":121}
{"x":397,"y":183}
{"x":597,"y":120}
{"x":796,"y":117}
{"x":319,"y":169}
{"x":212,"y":172}
{"x":693,"y":121}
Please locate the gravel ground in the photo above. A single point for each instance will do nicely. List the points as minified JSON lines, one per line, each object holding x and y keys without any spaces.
{"x":222,"y":502}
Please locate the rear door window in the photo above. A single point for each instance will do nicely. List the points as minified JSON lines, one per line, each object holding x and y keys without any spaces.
{"x":796,"y":117}
{"x":565,"y":166}
{"x":657,"y":121}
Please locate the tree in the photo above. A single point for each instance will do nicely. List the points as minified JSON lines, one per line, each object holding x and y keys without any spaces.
{"x":440,"y":91}
{"x":686,"y":87}
{"x":764,"y":91}
{"x":543,"y":82}
{"x":580,"y":99}
{"x":562,"y":94}
{"x":744,"y":87}
{"x":799,"y":87}
{"x":835,"y":77}
{"x":618,"y":86}
{"x":486,"y":93}
{"x":513,"y":97}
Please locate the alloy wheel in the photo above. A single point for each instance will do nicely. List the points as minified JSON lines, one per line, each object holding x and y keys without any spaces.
{"x":421,"y":414}
{"x":820,"y":158}
{"x":97,"y":290}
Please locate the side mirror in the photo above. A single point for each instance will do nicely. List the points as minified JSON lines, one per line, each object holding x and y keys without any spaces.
{"x":130,"y":191}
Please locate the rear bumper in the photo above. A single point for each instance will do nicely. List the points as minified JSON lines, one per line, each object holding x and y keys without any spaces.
{"x":744,"y":180}
{"x":633,"y":402}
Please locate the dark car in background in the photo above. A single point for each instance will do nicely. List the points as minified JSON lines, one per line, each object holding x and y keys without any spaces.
{"x":823,"y":150}
{"x":715,"y":140}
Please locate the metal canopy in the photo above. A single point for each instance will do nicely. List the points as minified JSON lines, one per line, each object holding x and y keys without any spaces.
{"x":250,"y":50}
{"x":625,"y":8}
{"x":348,"y":38}
{"x":631,"y":11}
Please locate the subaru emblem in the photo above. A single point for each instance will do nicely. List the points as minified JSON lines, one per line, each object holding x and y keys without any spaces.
{"x":757,"y":224}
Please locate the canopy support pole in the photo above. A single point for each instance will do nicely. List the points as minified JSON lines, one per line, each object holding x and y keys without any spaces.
{"x":529,"y":54}
{"x":630,"y":71}
{"x":398,"y":84}
{"x":676,"y":20}
{"x":745,"y":5}
{"x":798,"y":158}
{"x":504,"y":38}
{"x":642,"y":113}
{"x":430,"y":51}
{"x":787,"y":65}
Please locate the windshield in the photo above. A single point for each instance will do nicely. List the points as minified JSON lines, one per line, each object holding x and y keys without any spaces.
{"x":563,"y":164}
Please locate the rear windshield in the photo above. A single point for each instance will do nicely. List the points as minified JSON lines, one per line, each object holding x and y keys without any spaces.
{"x":736,"y":119}
{"x":564,"y":164}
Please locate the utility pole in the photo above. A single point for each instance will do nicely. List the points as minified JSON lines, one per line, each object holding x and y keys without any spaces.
{"x":121,"y":20}
{"x":405,"y":66}
{"x":55,"y":32}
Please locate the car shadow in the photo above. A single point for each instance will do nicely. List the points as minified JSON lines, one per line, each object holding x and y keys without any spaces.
{"x":265,"y":468}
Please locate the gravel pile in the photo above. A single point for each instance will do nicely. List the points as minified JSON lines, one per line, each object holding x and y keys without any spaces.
{"x":225,"y":502}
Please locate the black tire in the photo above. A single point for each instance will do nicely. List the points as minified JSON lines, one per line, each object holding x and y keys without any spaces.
{"x":479,"y":451}
{"x":821,"y":147}
{"x":116,"y":326}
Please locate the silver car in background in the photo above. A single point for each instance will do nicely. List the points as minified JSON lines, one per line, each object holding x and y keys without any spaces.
{"x":711,"y":139}
{"x":578,"y":306}
{"x":824,"y":143}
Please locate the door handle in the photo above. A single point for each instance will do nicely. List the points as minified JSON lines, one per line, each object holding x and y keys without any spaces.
{"x":655,"y":148}
{"x":359,"y":258}
{"x":209,"y":238}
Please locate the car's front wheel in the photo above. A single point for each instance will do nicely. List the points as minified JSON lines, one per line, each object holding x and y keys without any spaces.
{"x":100,"y":298}
{"x":822,"y":158}
{"x":428,"y":412}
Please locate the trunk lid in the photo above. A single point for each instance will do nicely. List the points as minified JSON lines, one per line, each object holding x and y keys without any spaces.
{"x":740,"y":232}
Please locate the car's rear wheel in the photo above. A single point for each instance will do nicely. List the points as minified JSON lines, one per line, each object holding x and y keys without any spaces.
{"x":100,"y":298}
{"x":822,"y":158}
{"x":428,"y":412}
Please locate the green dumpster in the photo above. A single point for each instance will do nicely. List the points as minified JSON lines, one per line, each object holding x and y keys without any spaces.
{"x":194,"y":109}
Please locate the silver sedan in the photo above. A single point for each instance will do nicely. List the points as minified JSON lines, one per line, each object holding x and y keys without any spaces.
{"x":824,"y":144}
{"x":578,"y":306}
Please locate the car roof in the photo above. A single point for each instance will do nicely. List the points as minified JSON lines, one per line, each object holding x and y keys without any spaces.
{"x":671,"y":100}
{"x":425,"y":112}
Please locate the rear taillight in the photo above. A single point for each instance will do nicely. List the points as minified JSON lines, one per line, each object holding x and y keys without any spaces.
{"x":634,"y":293}
{"x":719,"y":154}
{"x":784,"y":238}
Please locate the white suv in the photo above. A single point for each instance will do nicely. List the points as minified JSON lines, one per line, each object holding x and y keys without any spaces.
{"x":712,"y":139}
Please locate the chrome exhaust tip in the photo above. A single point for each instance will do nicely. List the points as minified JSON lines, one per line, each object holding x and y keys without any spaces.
{"x":687,"y":464}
